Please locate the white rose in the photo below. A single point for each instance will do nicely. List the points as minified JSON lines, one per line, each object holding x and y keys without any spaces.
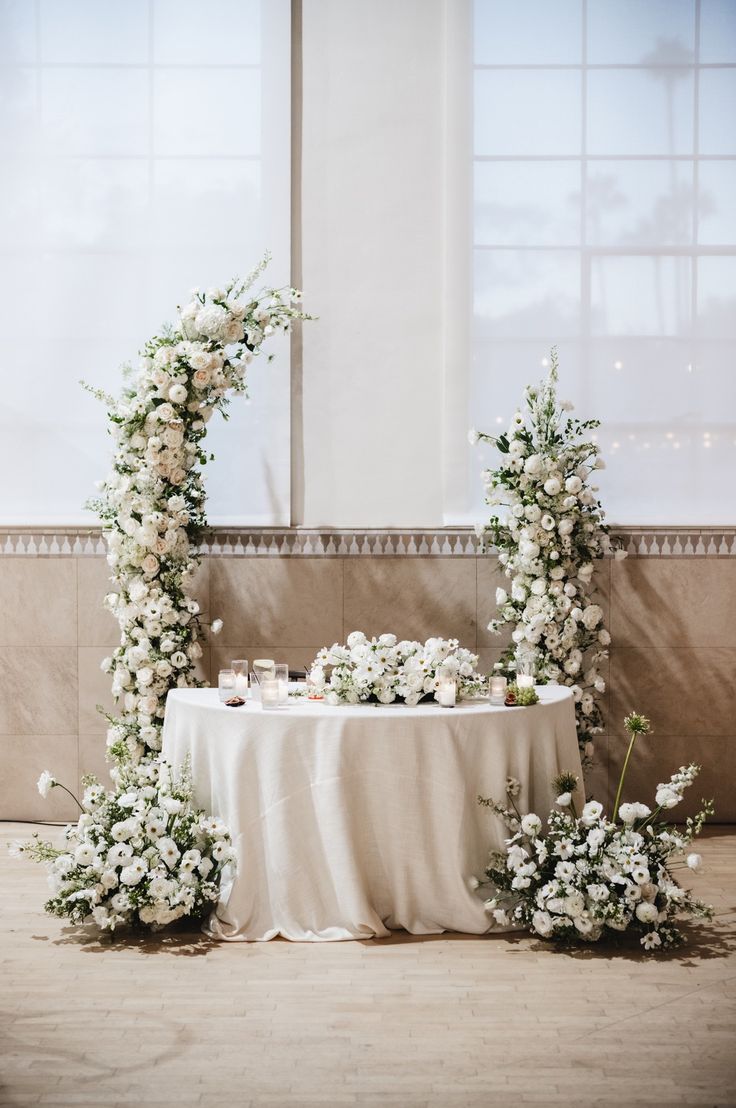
{"x":552,"y":486}
{"x":573,"y":484}
{"x":592,"y":616}
{"x":533,"y":465}
{"x":646,"y":912}
{"x":565,"y":526}
{"x":150,"y":564}
{"x":201,"y":378}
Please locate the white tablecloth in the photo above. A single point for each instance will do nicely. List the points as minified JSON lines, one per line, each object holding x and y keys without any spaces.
{"x":351,"y":821}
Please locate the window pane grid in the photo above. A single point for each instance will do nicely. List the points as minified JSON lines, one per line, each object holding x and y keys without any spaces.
{"x":655,"y":241}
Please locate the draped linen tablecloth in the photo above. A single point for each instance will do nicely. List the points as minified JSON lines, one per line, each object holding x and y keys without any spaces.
{"x":350,"y":821}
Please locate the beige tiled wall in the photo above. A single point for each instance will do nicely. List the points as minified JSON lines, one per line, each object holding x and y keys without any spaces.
{"x":673,"y":622}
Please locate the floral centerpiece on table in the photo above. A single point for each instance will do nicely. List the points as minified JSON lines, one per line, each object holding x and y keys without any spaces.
{"x":548,"y":527}
{"x":384,"y":670}
{"x":587,"y":874}
{"x":139,"y":854}
{"x":152,"y":508}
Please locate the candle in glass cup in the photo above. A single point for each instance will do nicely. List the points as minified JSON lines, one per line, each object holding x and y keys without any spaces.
{"x":226,"y":684}
{"x":446,"y":693}
{"x":240,"y":669}
{"x":281,"y":674}
{"x":498,"y":690}
{"x":269,"y":692}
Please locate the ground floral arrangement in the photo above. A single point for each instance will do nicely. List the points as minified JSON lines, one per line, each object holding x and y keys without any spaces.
{"x":385,"y":670}
{"x":139,"y":854}
{"x":587,"y":874}
{"x":152,"y":511}
{"x":548,"y":527}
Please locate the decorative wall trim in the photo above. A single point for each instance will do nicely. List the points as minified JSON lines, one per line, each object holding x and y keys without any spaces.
{"x":288,"y":542}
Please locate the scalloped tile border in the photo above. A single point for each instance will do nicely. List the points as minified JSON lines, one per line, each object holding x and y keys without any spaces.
{"x":288,"y":542}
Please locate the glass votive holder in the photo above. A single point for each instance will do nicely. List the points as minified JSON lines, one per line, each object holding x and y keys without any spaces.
{"x":226,"y":684}
{"x":525,"y":670}
{"x":498,"y":690}
{"x":281,"y":674}
{"x":447,"y":692}
{"x":269,"y":693}
{"x":240,"y":669}
{"x":263,"y":667}
{"x":255,"y":688}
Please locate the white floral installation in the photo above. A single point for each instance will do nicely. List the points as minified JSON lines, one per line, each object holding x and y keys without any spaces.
{"x":385,"y":670}
{"x":548,"y":527}
{"x":152,"y":512}
{"x":588,"y":875}
{"x":140,"y":854}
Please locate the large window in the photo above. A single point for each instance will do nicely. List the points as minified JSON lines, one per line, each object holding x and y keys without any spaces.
{"x":605,"y":224}
{"x":145,"y":151}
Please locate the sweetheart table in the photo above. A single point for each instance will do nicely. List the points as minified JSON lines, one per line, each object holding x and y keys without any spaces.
{"x":351,"y":821}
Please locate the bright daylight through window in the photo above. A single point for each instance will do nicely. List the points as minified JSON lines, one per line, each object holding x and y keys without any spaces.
{"x":604,"y":183}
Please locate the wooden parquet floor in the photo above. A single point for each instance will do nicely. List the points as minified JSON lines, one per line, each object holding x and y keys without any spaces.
{"x":445,"y":1021}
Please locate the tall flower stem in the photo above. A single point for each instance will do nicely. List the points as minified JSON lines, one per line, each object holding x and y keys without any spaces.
{"x":632,"y":742}
{"x":58,"y":785}
{"x":636,"y":725}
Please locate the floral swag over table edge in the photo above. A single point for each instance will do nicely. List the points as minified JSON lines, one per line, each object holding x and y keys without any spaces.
{"x":141,"y":853}
{"x":386,"y":670}
{"x":548,"y":527}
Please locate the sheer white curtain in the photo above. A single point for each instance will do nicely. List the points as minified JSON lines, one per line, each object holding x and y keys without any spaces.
{"x":604,"y":160}
{"x":146,"y":151}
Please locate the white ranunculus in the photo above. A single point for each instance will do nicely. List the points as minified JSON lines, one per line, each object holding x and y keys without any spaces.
{"x":573,"y":484}
{"x":565,"y":526}
{"x":531,"y":825}
{"x":552,"y":486}
{"x":646,"y":912}
{"x":533,"y":465}
{"x":46,"y":782}
{"x":542,"y":923}
{"x":591,"y":813}
{"x":178,"y":394}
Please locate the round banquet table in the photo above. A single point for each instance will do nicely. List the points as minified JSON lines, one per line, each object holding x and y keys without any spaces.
{"x":351,"y":821}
